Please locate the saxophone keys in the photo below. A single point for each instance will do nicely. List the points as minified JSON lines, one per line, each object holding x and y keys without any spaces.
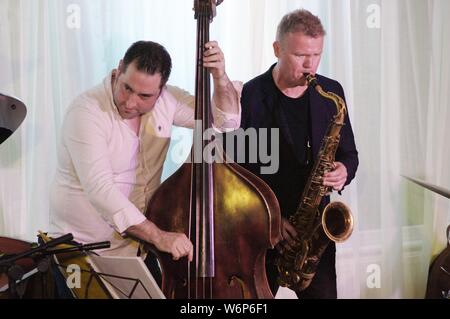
{"x":295,"y":278}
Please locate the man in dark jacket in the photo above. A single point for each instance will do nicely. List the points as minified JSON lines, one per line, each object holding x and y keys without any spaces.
{"x":280,"y":98}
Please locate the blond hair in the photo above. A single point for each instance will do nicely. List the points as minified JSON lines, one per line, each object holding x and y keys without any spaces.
{"x":300,"y":20}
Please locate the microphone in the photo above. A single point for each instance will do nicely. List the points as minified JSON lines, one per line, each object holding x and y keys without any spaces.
{"x":80,"y":247}
{"x":60,"y":240}
{"x":12,"y":258}
{"x":99,"y":245}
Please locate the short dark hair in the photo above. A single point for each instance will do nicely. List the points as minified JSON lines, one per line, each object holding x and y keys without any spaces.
{"x":150,"y":57}
{"x":300,"y":20}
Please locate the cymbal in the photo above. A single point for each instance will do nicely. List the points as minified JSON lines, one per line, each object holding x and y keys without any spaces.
{"x":12,"y":114}
{"x":437,"y":189}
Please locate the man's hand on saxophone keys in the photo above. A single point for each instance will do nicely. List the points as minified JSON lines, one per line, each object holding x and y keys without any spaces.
{"x":288,"y":234}
{"x":337,"y":177}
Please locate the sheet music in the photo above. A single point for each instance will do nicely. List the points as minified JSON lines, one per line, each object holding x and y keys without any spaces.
{"x":135,"y":273}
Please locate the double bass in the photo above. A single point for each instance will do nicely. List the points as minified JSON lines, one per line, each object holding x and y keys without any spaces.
{"x":231,"y":216}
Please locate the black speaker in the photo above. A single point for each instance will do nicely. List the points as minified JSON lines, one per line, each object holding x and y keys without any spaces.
{"x":12,"y":114}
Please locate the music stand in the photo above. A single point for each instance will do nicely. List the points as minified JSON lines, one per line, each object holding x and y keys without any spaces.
{"x":28,"y":274}
{"x":125,"y":277}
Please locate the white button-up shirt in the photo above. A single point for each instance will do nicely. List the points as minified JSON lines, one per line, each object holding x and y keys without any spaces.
{"x":106,"y":173}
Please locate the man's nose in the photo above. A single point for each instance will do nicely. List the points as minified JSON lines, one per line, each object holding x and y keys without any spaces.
{"x":131,"y":101}
{"x":307,"y":63}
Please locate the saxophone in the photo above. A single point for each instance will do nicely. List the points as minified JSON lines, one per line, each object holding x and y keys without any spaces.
{"x":297,"y":266}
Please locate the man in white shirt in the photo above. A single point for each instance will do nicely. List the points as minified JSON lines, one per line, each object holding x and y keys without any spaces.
{"x":114,"y":142}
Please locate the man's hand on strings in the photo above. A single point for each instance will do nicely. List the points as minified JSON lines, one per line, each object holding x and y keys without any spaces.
{"x":214,"y":59}
{"x":176,"y":244}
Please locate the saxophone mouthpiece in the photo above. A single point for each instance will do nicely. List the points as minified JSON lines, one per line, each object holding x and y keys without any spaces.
{"x":311,"y":79}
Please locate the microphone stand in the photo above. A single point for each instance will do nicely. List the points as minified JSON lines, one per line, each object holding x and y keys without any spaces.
{"x":15,"y":272}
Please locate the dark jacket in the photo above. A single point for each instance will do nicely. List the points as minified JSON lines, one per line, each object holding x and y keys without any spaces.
{"x":260,"y":109}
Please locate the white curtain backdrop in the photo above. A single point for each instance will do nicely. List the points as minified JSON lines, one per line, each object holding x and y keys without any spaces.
{"x":391,"y":56}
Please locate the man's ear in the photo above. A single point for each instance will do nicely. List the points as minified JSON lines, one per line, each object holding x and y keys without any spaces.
{"x":276,"y":48}
{"x":121,"y":67}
